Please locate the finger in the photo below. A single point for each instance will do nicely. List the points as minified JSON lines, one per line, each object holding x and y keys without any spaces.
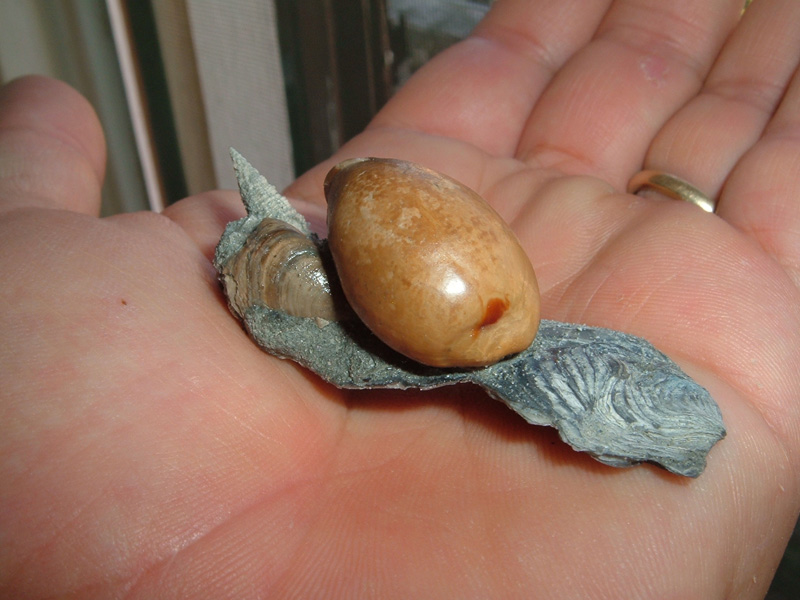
{"x":761,"y":196}
{"x":601,"y":112}
{"x":52,"y":151}
{"x":703,"y":142}
{"x":483,"y":89}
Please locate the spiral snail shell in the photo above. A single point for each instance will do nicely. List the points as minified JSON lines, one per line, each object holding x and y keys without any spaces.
{"x":279,"y":267}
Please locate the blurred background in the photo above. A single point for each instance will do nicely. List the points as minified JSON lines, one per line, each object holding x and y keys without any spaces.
{"x":286,"y":82}
{"x":177,"y":82}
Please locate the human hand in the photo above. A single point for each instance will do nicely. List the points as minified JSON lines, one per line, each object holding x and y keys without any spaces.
{"x":151,"y":450}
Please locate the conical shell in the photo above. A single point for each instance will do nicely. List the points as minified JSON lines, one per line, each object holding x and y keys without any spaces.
{"x":279,"y":267}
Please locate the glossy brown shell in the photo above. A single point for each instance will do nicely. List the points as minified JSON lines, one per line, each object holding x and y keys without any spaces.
{"x":428,"y":265}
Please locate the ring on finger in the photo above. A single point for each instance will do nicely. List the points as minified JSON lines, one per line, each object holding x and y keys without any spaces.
{"x":671,"y":186}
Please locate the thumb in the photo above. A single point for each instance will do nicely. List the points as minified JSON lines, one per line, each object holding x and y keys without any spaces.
{"x":52,"y":149}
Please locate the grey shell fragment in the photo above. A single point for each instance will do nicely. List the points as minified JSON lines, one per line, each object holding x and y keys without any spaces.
{"x":608,"y":393}
{"x":261,"y":200}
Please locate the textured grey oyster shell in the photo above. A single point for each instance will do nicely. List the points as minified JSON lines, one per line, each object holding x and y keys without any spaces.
{"x":608,"y":393}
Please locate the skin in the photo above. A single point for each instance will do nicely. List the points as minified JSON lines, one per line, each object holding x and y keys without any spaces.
{"x":149,"y":449}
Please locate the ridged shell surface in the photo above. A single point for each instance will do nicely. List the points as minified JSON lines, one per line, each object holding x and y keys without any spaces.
{"x":278,"y":267}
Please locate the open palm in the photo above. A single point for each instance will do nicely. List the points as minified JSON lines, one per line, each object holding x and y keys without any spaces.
{"x":149,"y":449}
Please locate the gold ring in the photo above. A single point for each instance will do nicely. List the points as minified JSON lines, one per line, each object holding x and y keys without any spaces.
{"x":671,"y":186}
